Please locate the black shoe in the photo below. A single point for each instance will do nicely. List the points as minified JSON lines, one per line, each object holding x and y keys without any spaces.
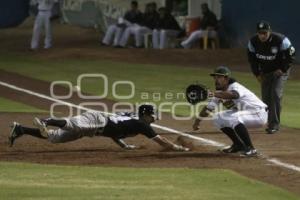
{"x":232,"y":149}
{"x":179,"y":46}
{"x":119,"y":47}
{"x":272,"y":130}
{"x":14,"y":133}
{"x":103,"y":44}
{"x":251,"y":152}
{"x":139,"y":47}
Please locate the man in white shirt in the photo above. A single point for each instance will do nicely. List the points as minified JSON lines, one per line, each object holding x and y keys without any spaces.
{"x":244,"y":110}
{"x":42,"y":19}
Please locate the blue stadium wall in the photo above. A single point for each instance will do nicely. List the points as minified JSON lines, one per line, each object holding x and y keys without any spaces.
{"x":239,"y":18}
{"x":13,"y":12}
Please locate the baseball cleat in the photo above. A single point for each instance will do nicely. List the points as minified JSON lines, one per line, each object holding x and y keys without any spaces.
{"x":14,"y":133}
{"x":272,"y":130}
{"x":250,"y":153}
{"x":41,"y":126}
{"x":232,"y":149}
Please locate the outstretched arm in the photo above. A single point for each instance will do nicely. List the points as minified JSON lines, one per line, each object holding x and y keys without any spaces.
{"x":123,"y":144}
{"x":168,"y":144}
{"x":204,"y":113}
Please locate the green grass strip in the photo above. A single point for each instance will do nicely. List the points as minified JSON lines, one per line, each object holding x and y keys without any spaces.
{"x":7,"y":105}
{"x":34,"y":181}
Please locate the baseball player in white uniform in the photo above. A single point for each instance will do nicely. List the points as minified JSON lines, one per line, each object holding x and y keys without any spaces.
{"x":42,"y":19}
{"x":94,"y":123}
{"x":244,"y":110}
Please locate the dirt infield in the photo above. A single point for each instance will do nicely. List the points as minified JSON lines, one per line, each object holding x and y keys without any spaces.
{"x":103,"y":152}
{"x":72,"y":42}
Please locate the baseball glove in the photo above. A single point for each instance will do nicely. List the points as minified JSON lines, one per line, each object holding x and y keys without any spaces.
{"x":196,"y":93}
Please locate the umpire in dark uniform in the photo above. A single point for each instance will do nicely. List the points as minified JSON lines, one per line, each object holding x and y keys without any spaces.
{"x":270,"y":55}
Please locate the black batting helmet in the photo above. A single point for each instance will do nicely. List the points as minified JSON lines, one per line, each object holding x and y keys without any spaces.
{"x":146,"y":109}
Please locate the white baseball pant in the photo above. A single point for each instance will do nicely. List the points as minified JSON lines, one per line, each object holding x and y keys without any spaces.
{"x":86,"y":124}
{"x":42,"y":19}
{"x":130,"y":30}
{"x":138,"y":32}
{"x":250,"y":118}
{"x":113,"y":32}
{"x":196,"y":35}
{"x":160,"y":37}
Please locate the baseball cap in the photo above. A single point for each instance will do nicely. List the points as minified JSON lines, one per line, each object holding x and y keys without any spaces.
{"x":263,"y":26}
{"x":222,"y":71}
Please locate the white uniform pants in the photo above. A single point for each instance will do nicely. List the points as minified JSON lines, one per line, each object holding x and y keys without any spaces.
{"x":160,"y":38}
{"x":86,"y":124}
{"x":138,"y":32}
{"x":130,"y":30}
{"x":42,"y":19}
{"x":114,"y":33}
{"x":250,"y":118}
{"x":196,"y":35}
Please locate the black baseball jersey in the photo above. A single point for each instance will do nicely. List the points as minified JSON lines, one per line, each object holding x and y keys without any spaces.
{"x":276,"y":53}
{"x":150,"y":19}
{"x":120,"y":127}
{"x":209,"y":19}
{"x":134,"y":16}
{"x":167,"y":22}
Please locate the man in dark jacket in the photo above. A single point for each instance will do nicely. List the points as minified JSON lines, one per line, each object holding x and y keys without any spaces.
{"x":166,"y":27}
{"x":270,"y":55}
{"x":208,"y":26}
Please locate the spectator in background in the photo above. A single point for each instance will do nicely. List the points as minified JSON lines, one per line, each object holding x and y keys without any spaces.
{"x":149,"y":21}
{"x":115,"y":31}
{"x":166,"y":27}
{"x":42,"y":19}
{"x":209,"y":23}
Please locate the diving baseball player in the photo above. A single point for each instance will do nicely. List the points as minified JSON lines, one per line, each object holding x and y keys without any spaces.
{"x":244,"y":110}
{"x":42,"y":20}
{"x":93,"y":123}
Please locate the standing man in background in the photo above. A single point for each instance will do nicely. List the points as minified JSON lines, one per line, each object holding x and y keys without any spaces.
{"x":42,"y":19}
{"x":270,"y":55}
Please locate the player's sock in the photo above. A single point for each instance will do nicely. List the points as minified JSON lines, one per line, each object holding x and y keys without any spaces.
{"x":55,"y":122}
{"x":233,"y":136}
{"x":242,"y":132}
{"x":35,"y":132}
